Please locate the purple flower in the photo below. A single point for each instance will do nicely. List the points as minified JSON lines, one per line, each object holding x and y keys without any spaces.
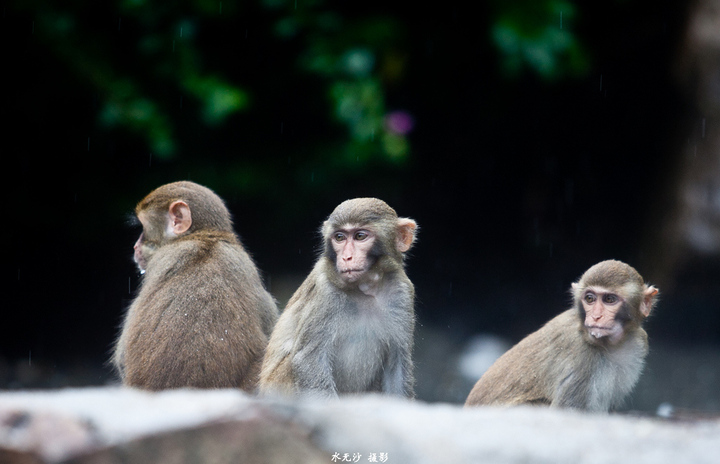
{"x":399,"y":122}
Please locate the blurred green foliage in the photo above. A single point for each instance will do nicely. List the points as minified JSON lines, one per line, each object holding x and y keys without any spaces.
{"x":145,"y":60}
{"x":357,"y":59}
{"x":537,"y":35}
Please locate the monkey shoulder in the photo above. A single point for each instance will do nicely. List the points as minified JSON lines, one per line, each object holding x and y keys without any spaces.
{"x":302,"y":320}
{"x":235,"y":258}
{"x":398,"y":289}
{"x":205,"y":275}
{"x":553,"y":342}
{"x":520,"y":375}
{"x":565,"y":351}
{"x":175,"y":259}
{"x":315,"y":298}
{"x":278,"y":355}
{"x":210,"y":256}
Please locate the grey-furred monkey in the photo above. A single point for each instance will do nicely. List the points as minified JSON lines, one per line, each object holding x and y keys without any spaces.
{"x":202,"y":317}
{"x":349,"y":327}
{"x":589,"y":357}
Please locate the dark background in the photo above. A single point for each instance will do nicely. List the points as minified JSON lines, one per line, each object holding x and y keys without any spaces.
{"x":524,"y":166}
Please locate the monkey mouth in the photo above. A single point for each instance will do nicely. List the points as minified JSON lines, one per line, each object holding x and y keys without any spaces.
{"x":352,"y":274}
{"x":599,"y":332}
{"x":352,"y":271}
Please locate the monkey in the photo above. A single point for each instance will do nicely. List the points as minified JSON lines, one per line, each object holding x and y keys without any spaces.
{"x":349,"y":327}
{"x":202,"y":317}
{"x":587,"y":358}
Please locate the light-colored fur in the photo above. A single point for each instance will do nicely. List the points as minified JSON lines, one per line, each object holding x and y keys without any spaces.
{"x":332,"y":342}
{"x":339,"y":335}
{"x":589,"y":357}
{"x":555,"y":366}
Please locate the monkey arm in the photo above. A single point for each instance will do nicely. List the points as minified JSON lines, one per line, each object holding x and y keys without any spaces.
{"x":397,"y":376}
{"x":312,"y":368}
{"x":571,"y":393}
{"x":297,"y":358}
{"x":312,"y":363}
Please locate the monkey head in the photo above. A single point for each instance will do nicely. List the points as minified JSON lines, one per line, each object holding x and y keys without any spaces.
{"x":612,"y":299}
{"x":364,"y":238}
{"x":174,"y":210}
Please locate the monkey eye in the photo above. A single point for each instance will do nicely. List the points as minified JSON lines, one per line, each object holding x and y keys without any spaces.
{"x":610,"y":298}
{"x":590,"y":298}
{"x":361,"y":235}
{"x":339,"y":237}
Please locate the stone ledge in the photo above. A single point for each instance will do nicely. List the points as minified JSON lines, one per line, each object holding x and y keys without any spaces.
{"x":114,"y":425}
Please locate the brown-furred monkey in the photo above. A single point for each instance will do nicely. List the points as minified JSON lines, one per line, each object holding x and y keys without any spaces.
{"x":349,"y":327}
{"x":589,"y":357}
{"x":202,"y":317}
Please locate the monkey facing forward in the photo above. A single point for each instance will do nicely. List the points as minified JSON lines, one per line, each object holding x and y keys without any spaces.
{"x":349,"y":327}
{"x":589,"y":357}
{"x":202,"y":317}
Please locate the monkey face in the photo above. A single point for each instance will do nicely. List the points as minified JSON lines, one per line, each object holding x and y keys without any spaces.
{"x":605,"y":312}
{"x":144,"y":250}
{"x":353,"y":247}
{"x":138,"y":255}
{"x":147,"y":243}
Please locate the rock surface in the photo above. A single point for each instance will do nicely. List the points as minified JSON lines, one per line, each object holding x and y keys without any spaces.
{"x":114,"y":425}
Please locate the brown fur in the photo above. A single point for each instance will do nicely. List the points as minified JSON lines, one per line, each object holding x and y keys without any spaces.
{"x":561,"y":365}
{"x":202,"y":317}
{"x":336,"y":337}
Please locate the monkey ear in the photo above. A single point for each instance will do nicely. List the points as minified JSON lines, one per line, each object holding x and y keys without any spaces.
{"x":326,"y":229}
{"x":406,"y":234}
{"x":180,"y":218}
{"x":575,"y":290}
{"x":648,"y":300}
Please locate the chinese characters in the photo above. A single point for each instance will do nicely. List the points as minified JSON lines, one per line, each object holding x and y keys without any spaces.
{"x":355,"y":457}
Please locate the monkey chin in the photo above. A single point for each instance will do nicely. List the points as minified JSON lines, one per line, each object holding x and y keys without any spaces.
{"x":365,"y":280}
{"x":611,"y":335}
{"x":140,"y":261}
{"x":141,"y":267}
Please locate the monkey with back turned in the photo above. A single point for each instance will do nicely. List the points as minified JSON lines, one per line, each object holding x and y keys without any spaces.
{"x":202,"y":317}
